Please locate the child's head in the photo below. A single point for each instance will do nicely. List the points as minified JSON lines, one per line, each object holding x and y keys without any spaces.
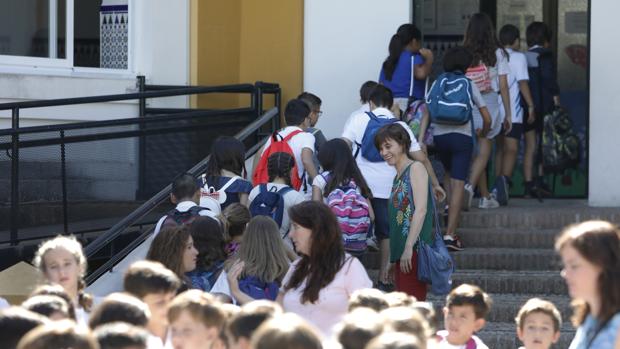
{"x":314,"y":102}
{"x":15,"y":322}
{"x":196,"y":320}
{"x":464,"y":313}
{"x":538,"y":324}
{"x":358,"y":328}
{"x":59,"y":335}
{"x":537,"y":33}
{"x":121,"y":307}
{"x":297,"y":113}
{"x":381,"y":97}
{"x":119,"y":335}
{"x":174,"y":248}
{"x":279,"y":165}
{"x":227,"y":153}
{"x":155,"y":285}
{"x":509,"y":36}
{"x":53,"y":307}
{"x":58,"y":291}
{"x":399,"y":299}
{"x":396,"y":340}
{"x":408,"y":36}
{"x":287,"y":331}
{"x":236,"y":217}
{"x":185,"y":188}
{"x":428,"y":312}
{"x":368,"y":297}
{"x":407,"y":319}
{"x":335,"y":156}
{"x":457,"y":59}
{"x":242,"y":325}
{"x":209,"y":240}
{"x":480,"y":39}
{"x":365,"y":91}
{"x":263,"y":250}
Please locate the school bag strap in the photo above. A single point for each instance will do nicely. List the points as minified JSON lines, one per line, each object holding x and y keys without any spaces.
{"x":288,"y":137}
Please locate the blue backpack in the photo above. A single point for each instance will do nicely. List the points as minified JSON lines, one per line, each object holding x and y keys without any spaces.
{"x":269,"y":203}
{"x":449,"y":100}
{"x":368,"y":149}
{"x":257,"y":289}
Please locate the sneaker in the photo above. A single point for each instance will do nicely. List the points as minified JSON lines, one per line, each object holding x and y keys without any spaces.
{"x":453,"y":243}
{"x":468,"y":195}
{"x":371,"y":244}
{"x":489,"y":202}
{"x":501,"y":190}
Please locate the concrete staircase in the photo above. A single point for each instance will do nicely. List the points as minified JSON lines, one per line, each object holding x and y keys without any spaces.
{"x":509,"y":253}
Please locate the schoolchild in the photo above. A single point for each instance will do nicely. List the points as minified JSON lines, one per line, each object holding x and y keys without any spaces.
{"x":546,"y":95}
{"x":358,"y":328}
{"x":489,"y":70}
{"x":464,"y":315}
{"x":519,"y":95}
{"x":197,"y":320}
{"x":280,"y":165}
{"x":53,"y":307}
{"x":286,"y":331}
{"x":538,"y":324}
{"x":120,"y":307}
{"x":186,"y":196}
{"x":235,"y":218}
{"x":243,"y":324}
{"x":15,"y":322}
{"x":57,"y":335}
{"x":379,"y":175}
{"x":174,"y":248}
{"x":454,"y":145}
{"x":297,"y":117}
{"x":209,"y":239}
{"x":365,"y":91}
{"x":61,"y":260}
{"x":314,"y":102}
{"x":122,"y":336}
{"x":226,"y":172}
{"x":408,"y":65}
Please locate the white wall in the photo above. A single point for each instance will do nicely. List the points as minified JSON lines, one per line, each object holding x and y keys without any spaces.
{"x":604,"y":112}
{"x":345,"y":43}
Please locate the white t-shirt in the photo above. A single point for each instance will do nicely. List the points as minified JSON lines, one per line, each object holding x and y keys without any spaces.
{"x":154,"y":342}
{"x":465,"y":129}
{"x":221,"y":286}
{"x":501,"y":68}
{"x":291,"y":198}
{"x":297,"y":143}
{"x":183,"y":206}
{"x":518,"y":72}
{"x":378,"y":175}
{"x":443,"y":343}
{"x":362,"y":109}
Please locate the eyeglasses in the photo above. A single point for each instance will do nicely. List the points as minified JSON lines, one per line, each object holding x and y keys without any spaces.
{"x":318,"y":113}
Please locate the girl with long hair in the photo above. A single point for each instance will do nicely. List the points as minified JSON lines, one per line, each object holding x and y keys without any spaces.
{"x":61,"y":261}
{"x":405,"y":69}
{"x":319,"y":283}
{"x":258,"y":267}
{"x":209,"y":240}
{"x":489,"y":71}
{"x":590,"y":254}
{"x":226,"y":171}
{"x":174,"y":248}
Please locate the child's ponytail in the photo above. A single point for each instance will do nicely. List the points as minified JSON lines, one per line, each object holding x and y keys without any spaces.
{"x":280,"y":165}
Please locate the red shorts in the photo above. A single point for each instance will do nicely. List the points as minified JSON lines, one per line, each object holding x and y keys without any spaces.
{"x":409,"y":282}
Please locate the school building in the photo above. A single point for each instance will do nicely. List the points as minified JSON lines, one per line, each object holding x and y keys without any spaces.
{"x":68,"y":48}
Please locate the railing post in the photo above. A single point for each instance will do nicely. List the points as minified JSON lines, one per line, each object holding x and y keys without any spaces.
{"x":278,"y":103}
{"x":15,"y":176}
{"x":141,"y":140}
{"x":63,"y":177}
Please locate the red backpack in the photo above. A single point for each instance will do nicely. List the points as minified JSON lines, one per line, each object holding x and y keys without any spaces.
{"x":261,"y":175}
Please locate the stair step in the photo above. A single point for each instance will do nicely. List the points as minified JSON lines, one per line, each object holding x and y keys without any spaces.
{"x":508,"y":237}
{"x":508,"y":281}
{"x":504,"y":335}
{"x":506,"y":259}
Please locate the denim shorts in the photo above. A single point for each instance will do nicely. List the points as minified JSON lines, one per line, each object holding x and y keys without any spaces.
{"x":455,"y":152}
{"x":382,"y":225}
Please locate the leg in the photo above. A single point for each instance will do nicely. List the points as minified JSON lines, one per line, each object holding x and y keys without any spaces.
{"x":528,"y":156}
{"x":457,"y":187}
{"x":480,"y":162}
{"x":499,"y":153}
{"x":382,"y":227}
{"x":510,"y":156}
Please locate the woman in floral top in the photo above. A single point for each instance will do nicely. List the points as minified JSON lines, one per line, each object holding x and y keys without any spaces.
{"x":409,"y":220}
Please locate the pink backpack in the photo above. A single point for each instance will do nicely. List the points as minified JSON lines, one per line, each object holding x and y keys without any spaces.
{"x":481,"y":76}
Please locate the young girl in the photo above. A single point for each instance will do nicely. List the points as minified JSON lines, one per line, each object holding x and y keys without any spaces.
{"x":226,"y":171}
{"x":62,"y":261}
{"x":279,"y":166}
{"x":591,"y":257}
{"x":235,"y":218}
{"x":489,"y":71}
{"x":209,"y":240}
{"x":409,"y":209}
{"x":174,"y":248}
{"x":405,"y":70}
{"x":257,"y":270}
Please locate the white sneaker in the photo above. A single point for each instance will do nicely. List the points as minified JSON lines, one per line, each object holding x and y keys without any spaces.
{"x":468,"y":195}
{"x":489,"y":202}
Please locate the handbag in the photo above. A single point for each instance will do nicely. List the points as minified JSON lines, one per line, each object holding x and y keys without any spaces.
{"x":435,"y":265}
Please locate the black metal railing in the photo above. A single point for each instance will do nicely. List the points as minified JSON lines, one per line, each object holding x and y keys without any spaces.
{"x":147,"y":123}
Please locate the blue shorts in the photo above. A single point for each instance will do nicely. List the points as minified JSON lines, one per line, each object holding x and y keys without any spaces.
{"x":455,"y":151}
{"x":382,"y":225}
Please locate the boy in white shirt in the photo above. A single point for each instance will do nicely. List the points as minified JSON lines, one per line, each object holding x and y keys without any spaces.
{"x":518,"y":87}
{"x":379,"y":175}
{"x":464,"y":313}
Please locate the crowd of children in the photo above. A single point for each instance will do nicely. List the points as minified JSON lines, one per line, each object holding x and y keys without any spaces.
{"x":271,"y":261}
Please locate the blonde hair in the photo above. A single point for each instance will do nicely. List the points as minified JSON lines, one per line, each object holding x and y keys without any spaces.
{"x":74,"y":247}
{"x":537,"y":305}
{"x":263,"y":251}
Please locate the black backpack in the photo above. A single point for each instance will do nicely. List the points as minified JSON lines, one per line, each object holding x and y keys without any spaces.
{"x":176,"y":218}
{"x":560,"y":144}
{"x":269,"y":203}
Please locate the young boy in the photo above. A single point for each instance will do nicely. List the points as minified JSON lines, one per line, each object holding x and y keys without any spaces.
{"x":242,"y":325}
{"x":156,"y":286}
{"x":120,"y":335}
{"x":538,"y":324}
{"x":314,"y":102}
{"x":518,"y":89}
{"x":464,"y":313}
{"x":196,"y":320}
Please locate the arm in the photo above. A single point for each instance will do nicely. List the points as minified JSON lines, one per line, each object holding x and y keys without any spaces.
{"x":317,"y":194}
{"x":419,"y":187}
{"x":486,"y":122}
{"x":306,"y":159}
{"x":420,"y":156}
{"x":424,"y":122}
{"x":233,"y":282}
{"x":524,"y":87}
{"x":503,"y":90}
{"x":422,"y":71}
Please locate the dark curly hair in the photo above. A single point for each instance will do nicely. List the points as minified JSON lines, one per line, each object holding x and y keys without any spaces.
{"x":280,"y":165}
{"x":480,"y":39}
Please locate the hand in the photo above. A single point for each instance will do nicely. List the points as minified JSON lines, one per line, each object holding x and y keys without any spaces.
{"x":405,"y":260}
{"x":440,"y":194}
{"x":386,"y":274}
{"x":233,"y":274}
{"x":426,"y":54}
{"x":423,"y":147}
{"x":531,"y":116}
{"x":507,"y":125}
